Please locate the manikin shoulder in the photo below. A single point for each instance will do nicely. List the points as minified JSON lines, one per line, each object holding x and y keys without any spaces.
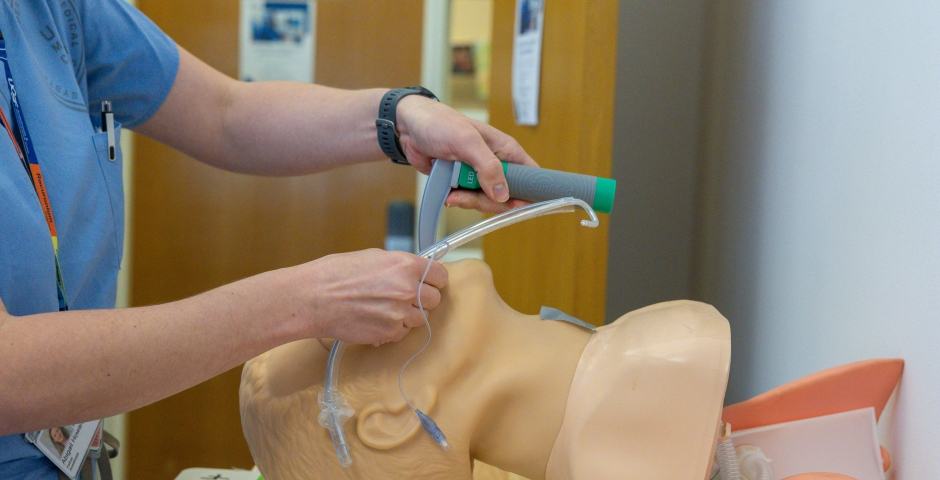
{"x":670,"y":321}
{"x":663,"y":369}
{"x":469,"y":270}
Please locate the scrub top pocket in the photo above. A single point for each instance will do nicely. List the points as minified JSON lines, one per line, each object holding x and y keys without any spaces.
{"x":114,"y":178}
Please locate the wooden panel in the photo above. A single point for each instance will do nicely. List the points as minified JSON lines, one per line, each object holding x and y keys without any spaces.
{"x":553,"y":260}
{"x":197,"y":227}
{"x":364,"y":44}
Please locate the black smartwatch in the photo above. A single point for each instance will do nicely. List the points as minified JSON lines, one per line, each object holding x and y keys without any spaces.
{"x":385,"y":124}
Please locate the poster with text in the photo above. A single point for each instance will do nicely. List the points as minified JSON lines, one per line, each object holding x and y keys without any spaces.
{"x":527,"y":60}
{"x":276,"y":40}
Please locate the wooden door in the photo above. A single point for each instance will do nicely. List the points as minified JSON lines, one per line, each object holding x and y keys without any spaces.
{"x":196,"y":227}
{"x":553,"y":260}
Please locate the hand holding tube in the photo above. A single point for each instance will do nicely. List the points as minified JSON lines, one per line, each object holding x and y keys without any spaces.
{"x":367,"y":297}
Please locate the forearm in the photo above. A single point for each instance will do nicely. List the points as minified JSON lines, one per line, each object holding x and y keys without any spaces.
{"x":68,"y":367}
{"x":285,"y":128}
{"x":265,"y":128}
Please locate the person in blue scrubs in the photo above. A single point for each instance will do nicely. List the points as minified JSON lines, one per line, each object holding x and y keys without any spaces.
{"x":66,"y":57}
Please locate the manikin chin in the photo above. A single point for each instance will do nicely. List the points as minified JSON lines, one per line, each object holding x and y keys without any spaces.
{"x":639,"y":398}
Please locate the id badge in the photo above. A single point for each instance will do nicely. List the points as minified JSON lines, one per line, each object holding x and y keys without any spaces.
{"x":94,"y":450}
{"x":66,"y":446}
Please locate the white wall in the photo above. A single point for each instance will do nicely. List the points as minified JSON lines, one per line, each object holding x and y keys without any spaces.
{"x":820,"y":230}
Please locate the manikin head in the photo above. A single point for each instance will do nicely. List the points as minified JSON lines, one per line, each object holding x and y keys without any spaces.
{"x":511,"y":390}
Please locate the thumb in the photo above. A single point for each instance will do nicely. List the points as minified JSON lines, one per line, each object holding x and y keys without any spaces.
{"x":489,"y":169}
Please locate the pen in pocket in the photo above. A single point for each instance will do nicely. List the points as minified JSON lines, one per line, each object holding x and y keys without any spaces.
{"x":107,"y":125}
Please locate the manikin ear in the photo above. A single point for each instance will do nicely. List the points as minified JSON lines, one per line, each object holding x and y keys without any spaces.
{"x":387,"y":424}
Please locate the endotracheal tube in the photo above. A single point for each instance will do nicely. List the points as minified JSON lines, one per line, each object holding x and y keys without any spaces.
{"x":429,"y":425}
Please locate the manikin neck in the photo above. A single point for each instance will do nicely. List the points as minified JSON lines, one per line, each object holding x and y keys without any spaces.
{"x":528,"y":365}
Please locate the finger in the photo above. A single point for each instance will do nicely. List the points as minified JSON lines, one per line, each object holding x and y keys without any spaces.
{"x":472,"y":200}
{"x":414,"y":318}
{"x":473,"y":150}
{"x":395,"y":335}
{"x":3,"y":308}
{"x":430,"y":298}
{"x":504,"y":146}
{"x":437,"y":275}
{"x":396,"y":331}
{"x":419,"y":161}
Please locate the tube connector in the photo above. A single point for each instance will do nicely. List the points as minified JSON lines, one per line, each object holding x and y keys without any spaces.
{"x":753,"y":463}
{"x":334,"y":412}
{"x":431,"y":427}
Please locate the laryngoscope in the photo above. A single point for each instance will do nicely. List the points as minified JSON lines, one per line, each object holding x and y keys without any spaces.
{"x":335,"y":410}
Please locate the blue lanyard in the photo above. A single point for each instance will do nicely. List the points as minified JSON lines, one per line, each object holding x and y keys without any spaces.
{"x":28,"y":157}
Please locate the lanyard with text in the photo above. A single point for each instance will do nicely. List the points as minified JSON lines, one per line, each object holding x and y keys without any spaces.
{"x":27,"y":155}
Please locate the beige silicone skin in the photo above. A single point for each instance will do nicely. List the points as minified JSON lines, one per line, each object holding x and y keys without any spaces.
{"x":644,"y":402}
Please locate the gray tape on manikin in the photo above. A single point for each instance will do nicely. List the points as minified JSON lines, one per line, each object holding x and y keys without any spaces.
{"x":549,"y":313}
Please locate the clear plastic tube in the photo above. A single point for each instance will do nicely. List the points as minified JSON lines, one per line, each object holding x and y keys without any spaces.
{"x":516,"y":215}
{"x":727,"y":460}
{"x":335,"y":410}
{"x":427,"y":422}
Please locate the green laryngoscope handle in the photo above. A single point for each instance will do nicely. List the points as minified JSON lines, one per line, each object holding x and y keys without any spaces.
{"x":534,"y":184}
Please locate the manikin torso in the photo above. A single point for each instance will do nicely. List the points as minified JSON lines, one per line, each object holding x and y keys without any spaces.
{"x":640,"y":398}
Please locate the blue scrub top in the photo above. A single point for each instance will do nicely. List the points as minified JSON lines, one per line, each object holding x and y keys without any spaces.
{"x":66,"y":57}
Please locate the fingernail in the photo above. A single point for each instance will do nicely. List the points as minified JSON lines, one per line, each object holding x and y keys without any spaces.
{"x":500,"y":192}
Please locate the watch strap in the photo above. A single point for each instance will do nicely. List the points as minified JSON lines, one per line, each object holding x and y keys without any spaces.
{"x":386,"y":125}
